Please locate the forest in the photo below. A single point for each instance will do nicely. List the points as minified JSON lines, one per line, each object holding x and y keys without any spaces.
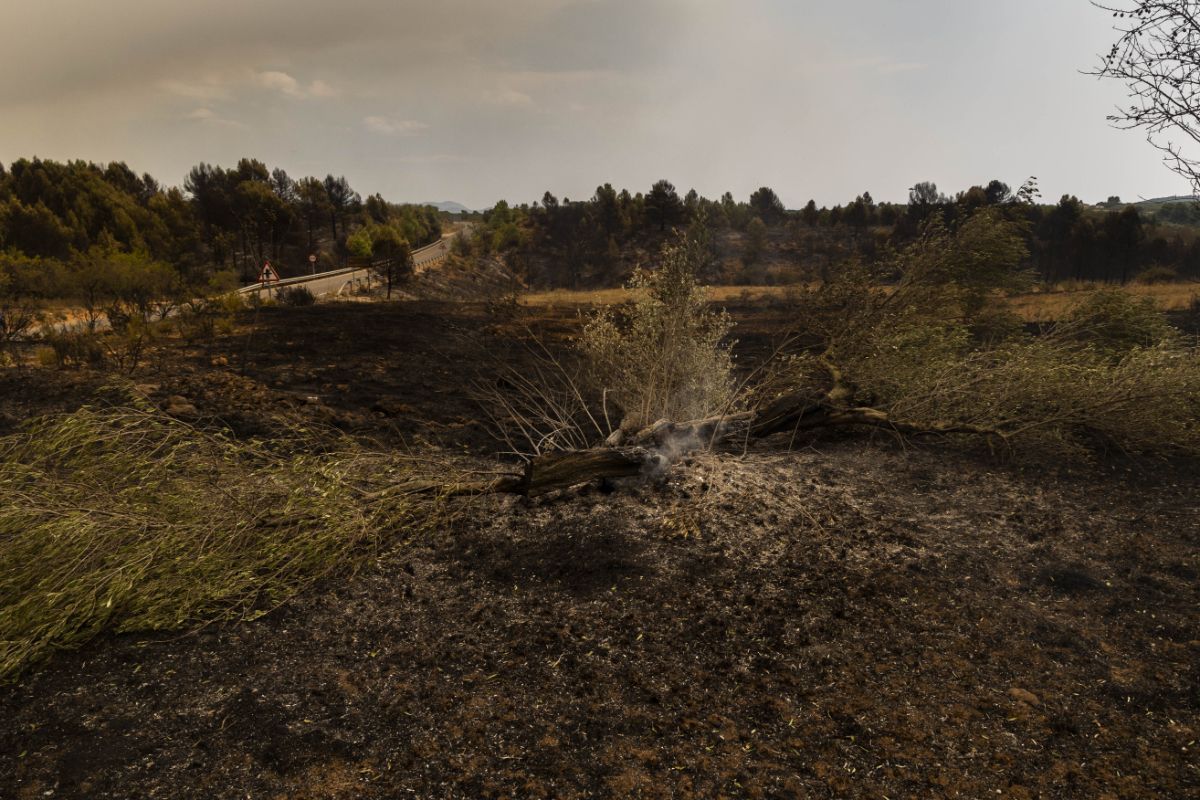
{"x":58,"y":221}
{"x":589,"y":243}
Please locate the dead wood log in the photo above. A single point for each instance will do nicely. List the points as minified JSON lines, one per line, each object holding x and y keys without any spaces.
{"x":789,"y":413}
{"x":630,"y":453}
{"x":653,"y":449}
{"x":547,"y":473}
{"x":563,"y":470}
{"x":659,"y":445}
{"x":873,"y":417}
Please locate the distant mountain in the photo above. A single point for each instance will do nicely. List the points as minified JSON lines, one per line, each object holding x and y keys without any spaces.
{"x":1180,"y":210}
{"x":1147,"y":204}
{"x":449,"y":207}
{"x":1162,"y":201}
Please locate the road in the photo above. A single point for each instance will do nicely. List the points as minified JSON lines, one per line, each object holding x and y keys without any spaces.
{"x":344,"y":280}
{"x":323,"y":283}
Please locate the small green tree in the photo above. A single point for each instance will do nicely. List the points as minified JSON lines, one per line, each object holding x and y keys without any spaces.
{"x":810,"y":214}
{"x":392,"y":253}
{"x":663,"y":206}
{"x":668,"y":358}
{"x":18,"y":315}
{"x":90,"y":282}
{"x":767,"y":205}
{"x":756,"y":241}
{"x":139,"y":288}
{"x":360,"y":243}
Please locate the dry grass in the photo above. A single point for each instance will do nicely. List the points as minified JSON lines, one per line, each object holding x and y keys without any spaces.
{"x":568,"y":297}
{"x":125,"y":519}
{"x":608,"y":297}
{"x":1054,"y":304}
{"x":1048,"y":305}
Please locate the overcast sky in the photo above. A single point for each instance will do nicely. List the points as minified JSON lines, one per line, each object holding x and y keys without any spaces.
{"x":476,"y":100}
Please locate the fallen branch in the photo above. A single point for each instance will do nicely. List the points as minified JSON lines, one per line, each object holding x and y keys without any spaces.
{"x":629,"y":454}
{"x":546,"y":473}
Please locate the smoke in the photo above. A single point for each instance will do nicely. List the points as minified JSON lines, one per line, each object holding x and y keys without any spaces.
{"x":670,"y":444}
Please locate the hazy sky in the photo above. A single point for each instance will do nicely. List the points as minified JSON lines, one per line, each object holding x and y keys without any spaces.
{"x":474,"y":100}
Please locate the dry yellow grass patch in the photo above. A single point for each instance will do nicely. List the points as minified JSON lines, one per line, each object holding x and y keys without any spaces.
{"x":608,"y":297}
{"x":1046,"y":305}
{"x":1050,"y":305}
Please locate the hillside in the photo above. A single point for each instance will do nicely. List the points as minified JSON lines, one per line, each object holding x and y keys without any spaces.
{"x":448,"y":207}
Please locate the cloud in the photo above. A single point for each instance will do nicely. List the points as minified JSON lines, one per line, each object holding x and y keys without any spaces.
{"x":280,"y":82}
{"x":390,"y":126}
{"x":210,"y":88}
{"x":207,"y":116}
{"x":511,"y":98}
{"x":319,"y":88}
{"x":228,"y":86}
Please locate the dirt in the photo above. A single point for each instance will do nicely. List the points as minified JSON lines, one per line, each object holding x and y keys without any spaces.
{"x":850,"y":618}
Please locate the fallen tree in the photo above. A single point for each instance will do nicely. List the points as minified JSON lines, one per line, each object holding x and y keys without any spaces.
{"x":650,"y":451}
{"x":920,"y":344}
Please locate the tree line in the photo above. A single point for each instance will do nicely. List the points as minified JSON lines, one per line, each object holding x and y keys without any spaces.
{"x":79,"y":214}
{"x":598,"y":241}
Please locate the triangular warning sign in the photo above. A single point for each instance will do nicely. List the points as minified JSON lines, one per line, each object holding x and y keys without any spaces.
{"x":268,"y":273}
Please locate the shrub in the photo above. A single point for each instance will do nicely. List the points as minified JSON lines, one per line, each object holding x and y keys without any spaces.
{"x":1115,"y":322}
{"x":995,"y":324}
{"x":1157,"y":274}
{"x":925,"y":353}
{"x":460,"y":245}
{"x":128,"y":343}
{"x":198,"y":319}
{"x":295,"y":296}
{"x":72,"y":349}
{"x":1051,"y":395}
{"x":667,"y":358}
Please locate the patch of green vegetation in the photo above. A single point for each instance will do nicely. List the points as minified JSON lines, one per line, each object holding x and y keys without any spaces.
{"x":125,"y":519}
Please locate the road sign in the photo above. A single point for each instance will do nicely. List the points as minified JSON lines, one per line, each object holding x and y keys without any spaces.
{"x":268,"y":274}
{"x":312,"y":259}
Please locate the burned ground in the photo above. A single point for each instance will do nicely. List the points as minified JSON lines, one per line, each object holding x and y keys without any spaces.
{"x":850,"y":618}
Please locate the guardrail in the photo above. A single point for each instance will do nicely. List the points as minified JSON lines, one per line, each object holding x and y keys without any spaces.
{"x":333,"y":273}
{"x":351,"y":273}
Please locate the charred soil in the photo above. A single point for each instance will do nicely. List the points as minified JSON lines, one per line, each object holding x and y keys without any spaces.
{"x":847,"y":617}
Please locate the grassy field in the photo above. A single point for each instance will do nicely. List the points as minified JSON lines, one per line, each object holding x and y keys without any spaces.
{"x":1049,"y":305}
{"x":1045,"y":305}
{"x":604,"y":297}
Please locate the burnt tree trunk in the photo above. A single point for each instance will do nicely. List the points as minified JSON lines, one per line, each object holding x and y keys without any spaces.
{"x":562,"y":470}
{"x":651,"y":450}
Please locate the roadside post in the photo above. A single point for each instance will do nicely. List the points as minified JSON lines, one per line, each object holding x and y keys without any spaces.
{"x":268,"y":276}
{"x":312,"y":263}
